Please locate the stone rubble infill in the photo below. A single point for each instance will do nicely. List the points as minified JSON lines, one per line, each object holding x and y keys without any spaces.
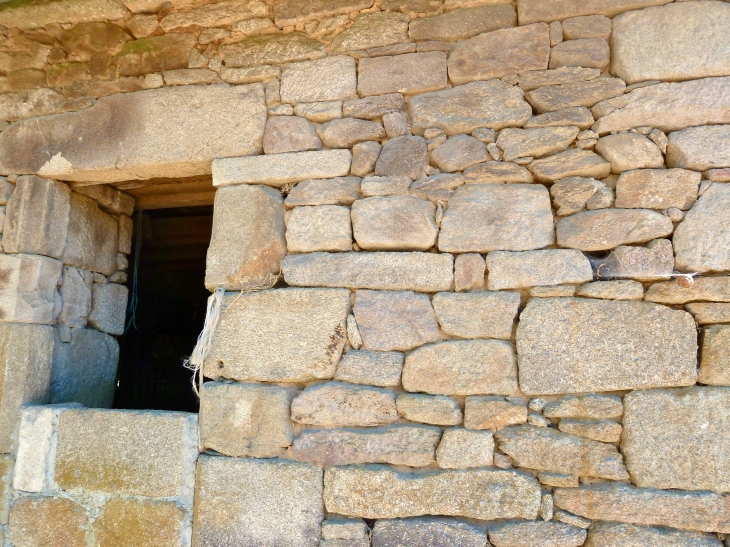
{"x":517,"y":270}
{"x":536,"y":534}
{"x":378,"y":492}
{"x":428,"y":531}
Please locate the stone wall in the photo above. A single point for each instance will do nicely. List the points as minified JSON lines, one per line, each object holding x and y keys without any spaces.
{"x":500,"y":237}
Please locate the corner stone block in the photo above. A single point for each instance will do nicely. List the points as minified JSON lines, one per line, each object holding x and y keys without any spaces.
{"x":25,"y":357}
{"x":48,"y":522}
{"x":248,"y":239}
{"x":92,"y":238}
{"x":28,"y":292}
{"x":241,"y":501}
{"x":108,"y":307}
{"x":142,"y":523}
{"x":282,"y":335}
{"x":133,"y":453}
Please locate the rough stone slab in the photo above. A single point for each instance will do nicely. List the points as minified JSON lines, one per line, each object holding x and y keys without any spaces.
{"x":410,"y":73}
{"x":461,"y":24}
{"x":413,"y":446}
{"x":658,"y":424}
{"x":398,"y":321}
{"x":530,"y":11}
{"x":477,"y":314}
{"x":462,"y":367}
{"x":337,"y":191}
{"x":364,"y":157}
{"x":585,"y":52}
{"x":41,"y":521}
{"x":269,"y":49}
{"x":215,"y":15}
{"x":586,"y":407}
{"x":92,"y":238}
{"x":536,"y":534}
{"x":372,"y":30}
{"x":605,"y":431}
{"x":376,"y":368}
{"x":483,"y":218}
{"x":458,"y":153}
{"x":497,"y":172}
{"x":510,"y":270}
{"x":570,"y":95}
{"x":28,"y":293}
{"x":245,"y":419}
{"x":657,"y":189}
{"x":700,"y":148}
{"x":394,"y":223}
{"x":279,"y":169}
{"x":587,"y":26}
{"x":347,"y":132}
{"x":319,"y":112}
{"x":319,"y":228}
{"x":344,"y":405}
{"x":613,"y":534}
{"x":244,"y":501}
{"x":372,"y":108}
{"x":428,"y":532}
{"x":571,"y":163}
{"x":627,"y":151}
{"x":378,"y":492}
{"x":403,"y":157}
{"x":532,"y":79}
{"x":424,"y":272}
{"x":658,"y":346}
{"x":141,"y":522}
{"x":136,"y":453}
{"x":469,"y":271}
{"x":436,"y":187}
{"x":709,"y":313}
{"x":696,"y":102}
{"x":108,"y":307}
{"x":135,"y":142}
{"x":289,"y":134}
{"x":461,"y":109}
{"x":702,"y":239}
{"x":703,"y":511}
{"x":608,"y":228}
{"x":385,"y":186}
{"x":75,"y":294}
{"x":573,"y":194}
{"x":546,"y":449}
{"x":155,"y":54}
{"x":26,"y":15}
{"x":492,"y":413}
{"x":499,"y":53}
{"x":291,"y":12}
{"x":651,"y":263}
{"x":710,"y":289}
{"x":84,"y":369}
{"x":283,"y":335}
{"x":536,"y":143}
{"x":427,"y":409}
{"x":463,"y":449}
{"x":327,"y":79}
{"x":574,"y":115}
{"x":336,"y":528}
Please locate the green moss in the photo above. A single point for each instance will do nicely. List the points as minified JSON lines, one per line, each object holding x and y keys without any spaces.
{"x":15,"y":4}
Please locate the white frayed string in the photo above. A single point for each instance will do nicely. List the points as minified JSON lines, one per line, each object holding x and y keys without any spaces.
{"x":205,"y":339}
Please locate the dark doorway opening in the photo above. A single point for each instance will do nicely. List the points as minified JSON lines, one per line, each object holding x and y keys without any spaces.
{"x":171,"y":304}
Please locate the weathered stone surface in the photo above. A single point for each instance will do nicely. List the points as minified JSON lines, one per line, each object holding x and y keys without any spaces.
{"x":279,"y":169}
{"x":335,"y":528}
{"x":704,"y":511}
{"x":92,"y":239}
{"x":345,"y":405}
{"x":403,"y":157}
{"x":536,"y":534}
{"x":571,"y":163}
{"x":292,"y":12}
{"x":583,"y":93}
{"x":32,"y":15}
{"x":514,"y":217}
{"x":497,"y":172}
{"x":84,"y":369}
{"x":215,"y":15}
{"x":469,"y":271}
{"x":587,"y":52}
{"x":346,"y":132}
{"x":494,"y":104}
{"x":372,"y":30}
{"x":531,"y":11}
{"x":364,"y":157}
{"x":715,"y":289}
{"x":385,"y":186}
{"x":438,"y":410}
{"x":459,"y":153}
{"x":110,"y":200}
{"x":428,"y":532}
{"x":394,"y":223}
{"x":545,"y":449}
{"x":409,"y":73}
{"x":462,"y":449}
{"x":424,"y":272}
{"x":658,"y":346}
{"x":84,"y":40}
{"x":501,"y":52}
{"x":395,"y":320}
{"x":650,"y":263}
{"x":532,"y":79}
{"x":709,"y":313}
{"x":155,"y":54}
{"x":573,"y":194}
{"x":696,"y":102}
{"x":458,"y":25}
{"x":627,"y":151}
{"x":478,"y":314}
{"x":398,"y":445}
{"x":376,"y":368}
{"x":384,"y":493}
{"x":34,"y":449}
{"x":639,"y":36}
{"x":319,"y":228}
{"x":605,"y":431}
{"x":327,"y":79}
{"x":519,"y":143}
{"x":562,"y":480}
{"x":289,"y":134}
{"x":108,"y":307}
{"x":657,"y":189}
{"x":245,"y":419}
{"x":574,"y":115}
{"x":48,"y":522}
{"x":609,"y":228}
{"x":319,"y":112}
{"x":587,"y":26}
{"x":136,"y":453}
{"x":337,"y":191}
{"x":265,"y":49}
{"x":613,"y":290}
{"x":702,"y":239}
{"x":436,"y":187}
{"x":614,"y":534}
{"x":28,"y":292}
{"x":700,"y":148}
{"x":462,"y":367}
{"x":510,"y":270}
{"x":492,"y":413}
{"x":140,"y":523}
{"x":371,"y":108}
{"x":284,"y":335}
{"x":248,"y":240}
{"x":237,"y":499}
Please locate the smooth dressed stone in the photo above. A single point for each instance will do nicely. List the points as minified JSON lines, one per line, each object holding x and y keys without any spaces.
{"x":578,"y":116}
{"x":409,"y":73}
{"x":344,"y":405}
{"x":478,"y":314}
{"x":428,"y":532}
{"x":712,"y":289}
{"x":462,"y":449}
{"x":465,"y":23}
{"x":586,"y":52}
{"x":482,"y":412}
{"x":532,"y":79}
{"x":497,"y":172}
{"x":536,"y":143}
{"x":376,"y":368}
{"x":346,"y":132}
{"x":539,"y":10}
{"x":337,"y":191}
{"x":510,"y":270}
{"x":403,"y":157}
{"x":394,"y":223}
{"x":289,"y":134}
{"x":571,"y":163}
{"x":585,"y":407}
{"x":427,"y":409}
{"x":651,"y":263}
{"x":458,"y":153}
{"x":659,"y":346}
{"x":536,"y":534}
{"x":372,"y":30}
{"x":582,"y":93}
{"x":657,"y":188}
{"x":613,"y":290}
{"x":614,"y":534}
{"x":627,"y":151}
{"x":700,"y":148}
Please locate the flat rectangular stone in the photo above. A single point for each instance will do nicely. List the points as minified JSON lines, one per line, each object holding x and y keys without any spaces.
{"x":335,"y":404}
{"x":461,"y":24}
{"x":428,"y":532}
{"x":704,"y":289}
{"x":614,"y":534}
{"x":706,"y":313}
{"x":657,"y":188}
{"x":477,"y":314}
{"x":423,"y":272}
{"x":137,"y":143}
{"x":380,"y":33}
{"x":291,"y":12}
{"x":219,"y":14}
{"x":110,"y":199}
{"x":31,"y":15}
{"x":149,"y":522}
{"x":337,"y":191}
{"x":279,"y":169}
{"x":510,"y":270}
{"x":379,"y":492}
{"x":409,"y":73}
{"x":271,"y":49}
{"x":532,"y":79}
{"x":372,"y":108}
{"x":574,"y":94}
{"x":309,"y":324}
{"x":92,"y":237}
{"x":429,"y":409}
{"x":536,"y":533}
{"x":530,"y":11}
{"x":701,"y":148}
{"x":326,"y":79}
{"x":28,"y":293}
{"x":375,"y":368}
{"x":658,"y":346}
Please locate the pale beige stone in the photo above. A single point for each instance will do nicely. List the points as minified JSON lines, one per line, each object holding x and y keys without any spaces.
{"x":319,"y":112}
{"x":289,"y":134}
{"x":462,"y":367}
{"x":319,"y":228}
{"x":587,"y":26}
{"x":364,"y":157}
{"x":613,"y":290}
{"x":399,"y":320}
{"x":613,"y":534}
{"x":371,"y":108}
{"x":215,"y":15}
{"x":572,"y":194}
{"x":92,"y":239}
{"x":492,"y":413}
{"x":709,"y":312}
{"x":513,"y":217}
{"x":536,"y":534}
{"x":108,"y":307}
{"x":345,"y":405}
{"x":581,"y":366}
{"x":533,"y":79}
{"x":462,"y":449}
{"x":110,"y":200}
{"x":539,"y":10}
{"x":248,"y":239}
{"x":346,"y":132}
{"x":327,"y":79}
{"x":424,"y":272}
{"x":605,"y":431}
{"x":586,"y":52}
{"x":436,"y":188}
{"x":372,"y":30}
{"x":461,"y":109}
{"x":337,"y":191}
{"x":266,"y":49}
{"x":700,"y":148}
{"x":410,"y":73}
{"x":609,"y":228}
{"x":499,"y":53}
{"x":190,"y":76}
{"x":571,"y":163}
{"x":29,"y":290}
{"x":552,"y":291}
{"x":31,"y":16}
{"x":375,"y":368}
{"x":428,"y":531}
{"x":657,"y":188}
{"x":373,"y":186}
{"x":545,"y":449}
{"x":344,"y":528}
{"x":563,"y":480}
{"x":403,"y":157}
{"x":651,"y":263}
{"x":510,"y":270}
{"x":394,"y":223}
{"x":138,"y":523}
{"x":48,"y":522}
{"x":582,"y":93}
{"x":536,"y":143}
{"x":308,"y":323}
{"x":438,"y":410}
{"x":249,"y":75}
{"x":710,"y":289}
{"x":579,"y":116}
{"x":395,"y":124}
{"x":458,"y":153}
{"x":497,"y":172}
{"x":469,"y":271}
{"x":627,"y":151}
{"x":478,"y":314}
{"x":464,"y":23}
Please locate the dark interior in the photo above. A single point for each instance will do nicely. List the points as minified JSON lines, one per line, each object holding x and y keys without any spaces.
{"x":171,"y":304}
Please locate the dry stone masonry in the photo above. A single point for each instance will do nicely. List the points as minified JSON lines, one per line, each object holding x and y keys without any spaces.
{"x":476,"y":255}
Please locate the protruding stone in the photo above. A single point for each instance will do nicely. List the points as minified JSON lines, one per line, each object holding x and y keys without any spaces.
{"x":269,"y":49}
{"x":289,"y":134}
{"x":571,"y":163}
{"x":575,"y":94}
{"x":510,"y":270}
{"x":410,"y":73}
{"x":375,"y":368}
{"x":319,"y":228}
{"x":428,"y":532}
{"x":657,"y":188}
{"x":614,"y":534}
{"x":427,"y":409}
{"x":536,"y":534}
{"x":327,"y":79}
{"x":700,"y":148}
{"x":627,"y":151}
{"x":372,"y":30}
{"x":536,"y":143}
{"x":346,"y":132}
{"x":478,"y":314}
{"x":465,"y":23}
{"x":337,"y":191}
